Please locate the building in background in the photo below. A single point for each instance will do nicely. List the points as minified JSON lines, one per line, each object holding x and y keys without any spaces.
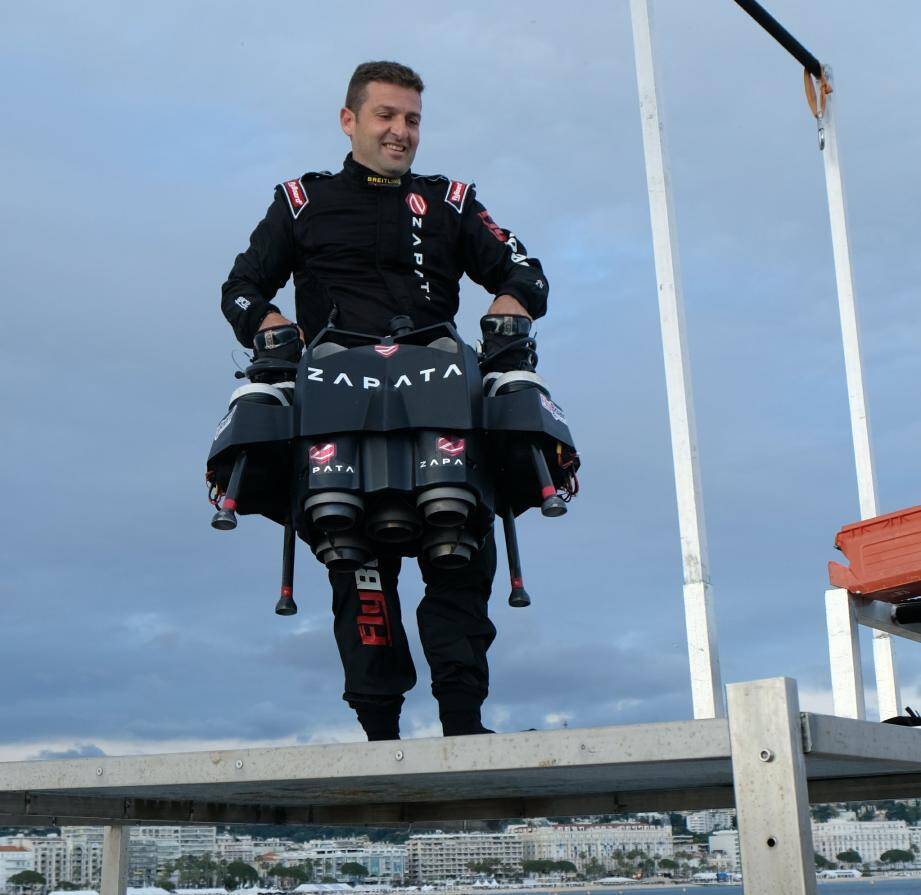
{"x":13,"y":859}
{"x":76,"y":855}
{"x":914,"y":840}
{"x":84,"y":855}
{"x":384,"y":861}
{"x":724,"y":848}
{"x":433,"y":857}
{"x":165,"y":839}
{"x":142,"y":861}
{"x":868,"y":838}
{"x":50,"y":858}
{"x":235,"y":848}
{"x":590,"y":845}
{"x":198,"y":841}
{"x":49,"y":855}
{"x":707,"y":821}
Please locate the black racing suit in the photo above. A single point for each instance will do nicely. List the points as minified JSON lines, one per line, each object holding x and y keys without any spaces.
{"x":370,"y":248}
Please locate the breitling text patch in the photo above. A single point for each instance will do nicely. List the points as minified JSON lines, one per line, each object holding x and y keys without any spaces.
{"x":456,"y":194}
{"x":297,"y":198}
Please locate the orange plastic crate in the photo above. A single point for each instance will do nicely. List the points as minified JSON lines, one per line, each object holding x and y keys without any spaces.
{"x":885,"y":557}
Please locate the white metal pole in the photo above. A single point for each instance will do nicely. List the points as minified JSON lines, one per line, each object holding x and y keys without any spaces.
{"x":706,"y":682}
{"x":844,"y":654}
{"x":887,"y":689}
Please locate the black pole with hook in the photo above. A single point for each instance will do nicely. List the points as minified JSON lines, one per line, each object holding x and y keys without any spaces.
{"x":782,"y":36}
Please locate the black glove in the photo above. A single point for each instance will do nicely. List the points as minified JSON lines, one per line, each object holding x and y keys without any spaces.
{"x":277,"y":351}
{"x":278,"y":343}
{"x":507,"y":344}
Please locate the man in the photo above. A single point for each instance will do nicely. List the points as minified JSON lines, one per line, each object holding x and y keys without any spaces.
{"x":365,"y":245}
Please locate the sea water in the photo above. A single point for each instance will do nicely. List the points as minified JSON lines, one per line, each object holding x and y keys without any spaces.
{"x":867,"y":886}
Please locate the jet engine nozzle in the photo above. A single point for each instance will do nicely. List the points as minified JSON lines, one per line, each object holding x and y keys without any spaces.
{"x":342,"y":553}
{"x":394,"y":522}
{"x":334,"y":511}
{"x":446,"y":507}
{"x":449,"y":548}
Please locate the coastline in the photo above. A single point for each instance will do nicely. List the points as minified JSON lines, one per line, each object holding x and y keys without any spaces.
{"x":651,"y":883}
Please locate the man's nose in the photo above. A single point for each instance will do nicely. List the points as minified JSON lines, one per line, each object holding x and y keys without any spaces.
{"x":399,"y":129}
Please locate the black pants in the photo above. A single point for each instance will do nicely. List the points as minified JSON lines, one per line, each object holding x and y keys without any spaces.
{"x":453,"y":625}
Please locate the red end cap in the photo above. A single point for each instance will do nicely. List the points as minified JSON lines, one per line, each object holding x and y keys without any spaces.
{"x":229,"y":504}
{"x":287,"y":591}
{"x":517,"y":582}
{"x":548,"y":491}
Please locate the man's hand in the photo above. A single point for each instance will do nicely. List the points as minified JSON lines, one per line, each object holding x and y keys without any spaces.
{"x":273,"y":318}
{"x":504,"y":304}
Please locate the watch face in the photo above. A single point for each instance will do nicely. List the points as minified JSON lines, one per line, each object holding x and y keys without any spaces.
{"x":510,"y":325}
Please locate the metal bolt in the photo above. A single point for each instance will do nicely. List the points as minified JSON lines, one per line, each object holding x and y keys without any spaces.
{"x":398,"y":755}
{"x":766,"y":755}
{"x":771,"y":842}
{"x":98,"y":772}
{"x":238,"y":763}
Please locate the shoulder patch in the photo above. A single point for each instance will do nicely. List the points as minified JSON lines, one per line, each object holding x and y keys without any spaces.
{"x":457,"y":192}
{"x":296,"y":196}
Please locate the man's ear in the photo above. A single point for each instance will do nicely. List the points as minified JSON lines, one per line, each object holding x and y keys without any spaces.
{"x":347,"y":121}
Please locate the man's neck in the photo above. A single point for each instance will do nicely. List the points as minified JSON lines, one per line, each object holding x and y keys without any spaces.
{"x":371,"y":167}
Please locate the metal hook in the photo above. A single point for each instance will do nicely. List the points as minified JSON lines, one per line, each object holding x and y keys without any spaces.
{"x":817,"y":100}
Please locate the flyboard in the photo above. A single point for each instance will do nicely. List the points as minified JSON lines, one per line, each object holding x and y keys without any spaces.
{"x":393,"y":444}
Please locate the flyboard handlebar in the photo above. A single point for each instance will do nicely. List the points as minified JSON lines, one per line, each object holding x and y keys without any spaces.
{"x":374,"y":445}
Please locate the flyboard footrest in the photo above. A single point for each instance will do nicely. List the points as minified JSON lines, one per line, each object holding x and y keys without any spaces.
{"x":884,"y":554}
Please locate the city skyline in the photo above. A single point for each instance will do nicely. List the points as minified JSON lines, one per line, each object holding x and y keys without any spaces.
{"x":871,"y":835}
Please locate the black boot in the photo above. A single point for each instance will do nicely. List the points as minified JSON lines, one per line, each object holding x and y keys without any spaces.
{"x":379,"y":724}
{"x":462,"y":723}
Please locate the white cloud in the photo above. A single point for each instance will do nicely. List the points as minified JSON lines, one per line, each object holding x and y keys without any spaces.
{"x":557,"y":719}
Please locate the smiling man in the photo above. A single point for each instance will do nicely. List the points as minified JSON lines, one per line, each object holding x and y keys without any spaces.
{"x":369,"y":243}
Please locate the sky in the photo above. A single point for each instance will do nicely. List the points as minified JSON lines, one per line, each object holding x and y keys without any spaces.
{"x":141,"y":144}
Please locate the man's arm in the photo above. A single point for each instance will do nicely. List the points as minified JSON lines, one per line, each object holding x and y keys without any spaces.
{"x":258,"y":274}
{"x":497,"y":260}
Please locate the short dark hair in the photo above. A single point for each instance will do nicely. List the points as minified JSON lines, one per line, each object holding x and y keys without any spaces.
{"x":386,"y":72}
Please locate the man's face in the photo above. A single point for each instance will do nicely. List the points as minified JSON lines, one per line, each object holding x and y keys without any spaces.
{"x":385,"y":131}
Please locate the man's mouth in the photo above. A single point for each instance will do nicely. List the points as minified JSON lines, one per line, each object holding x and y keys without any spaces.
{"x":394,"y":147}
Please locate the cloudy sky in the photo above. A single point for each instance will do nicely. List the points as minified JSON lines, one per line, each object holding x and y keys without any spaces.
{"x":141,"y":143}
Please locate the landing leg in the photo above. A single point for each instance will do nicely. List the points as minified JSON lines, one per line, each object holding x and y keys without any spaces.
{"x":225,"y":519}
{"x":286,"y":604}
{"x":519,"y":596}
